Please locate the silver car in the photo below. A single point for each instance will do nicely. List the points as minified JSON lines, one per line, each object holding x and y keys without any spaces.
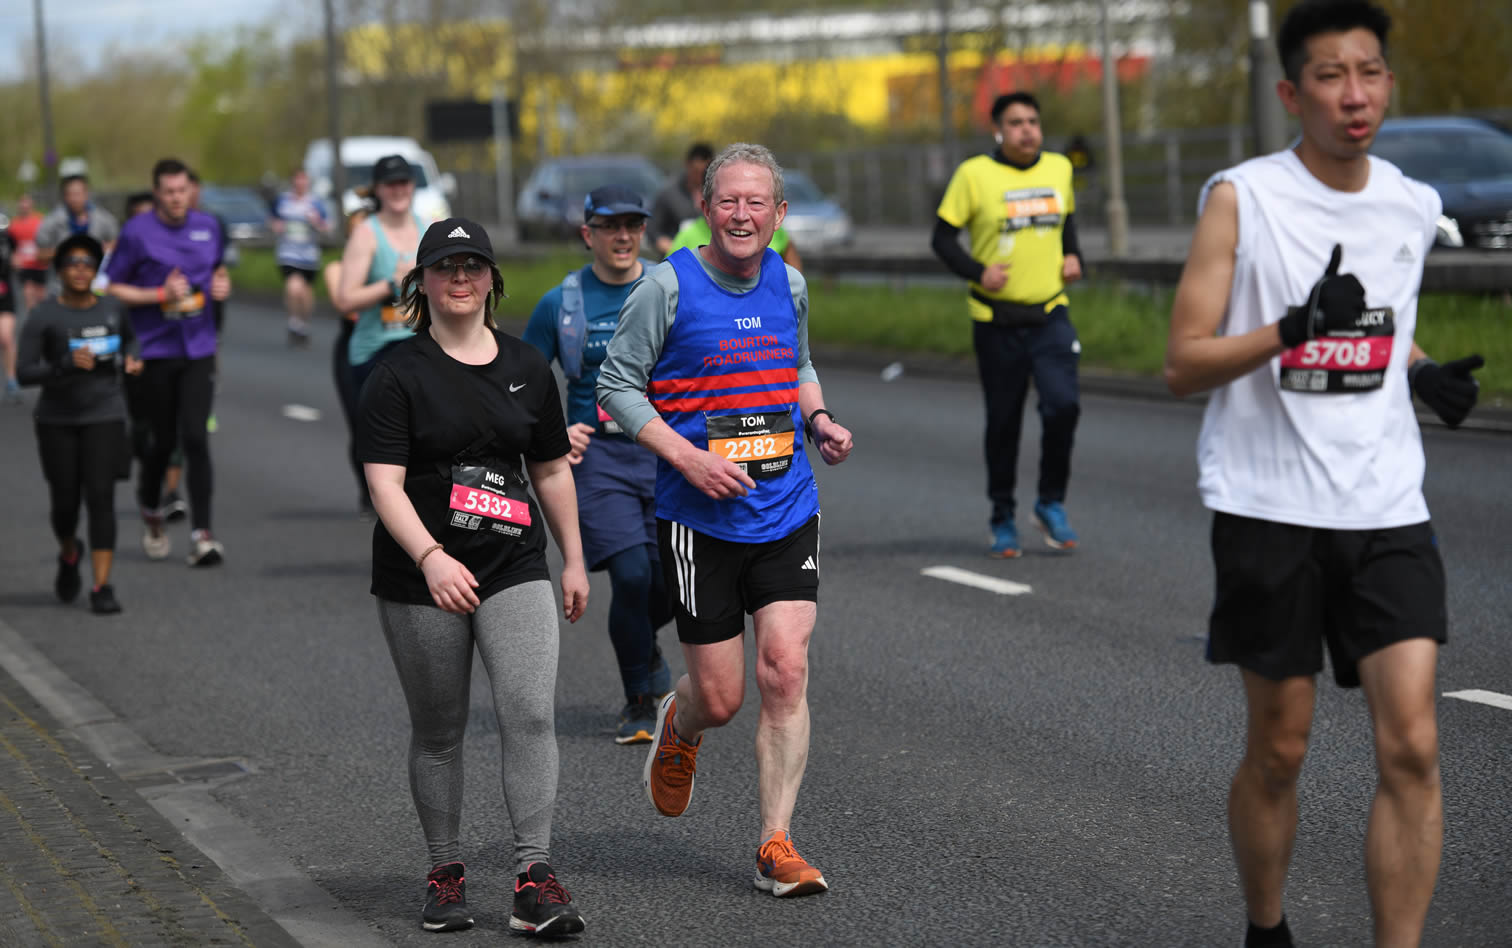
{"x":814,"y":222}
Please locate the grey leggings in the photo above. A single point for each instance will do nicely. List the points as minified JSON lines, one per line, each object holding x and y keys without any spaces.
{"x":515,"y":631}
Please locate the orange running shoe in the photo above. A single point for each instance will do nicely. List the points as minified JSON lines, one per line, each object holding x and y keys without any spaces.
{"x":671,"y":765}
{"x":782,"y":872}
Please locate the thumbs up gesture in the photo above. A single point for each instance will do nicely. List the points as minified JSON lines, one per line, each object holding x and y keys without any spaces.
{"x":1334,"y":304}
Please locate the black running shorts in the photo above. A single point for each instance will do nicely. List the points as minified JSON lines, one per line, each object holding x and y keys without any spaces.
{"x":1284,"y":591}
{"x":714,"y":583}
{"x":34,"y":277}
{"x":286,"y":271}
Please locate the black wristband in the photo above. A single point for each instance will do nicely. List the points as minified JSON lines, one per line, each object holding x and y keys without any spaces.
{"x":808,"y":423}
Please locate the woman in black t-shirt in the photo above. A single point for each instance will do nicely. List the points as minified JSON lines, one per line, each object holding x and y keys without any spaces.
{"x":76,"y":346}
{"x":451,"y":422}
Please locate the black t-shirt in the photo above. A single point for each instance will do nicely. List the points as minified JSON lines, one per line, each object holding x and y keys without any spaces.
{"x":414,"y":413}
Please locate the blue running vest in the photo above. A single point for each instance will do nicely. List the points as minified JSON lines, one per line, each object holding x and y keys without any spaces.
{"x":712,"y":367}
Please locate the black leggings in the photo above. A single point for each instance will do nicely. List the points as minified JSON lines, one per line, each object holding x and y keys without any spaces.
{"x":80,"y":463}
{"x":346,"y":391}
{"x":174,"y":396}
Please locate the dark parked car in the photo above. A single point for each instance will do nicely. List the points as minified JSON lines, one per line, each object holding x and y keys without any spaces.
{"x":551,"y":202}
{"x":243,"y":209}
{"x":1469,"y":163}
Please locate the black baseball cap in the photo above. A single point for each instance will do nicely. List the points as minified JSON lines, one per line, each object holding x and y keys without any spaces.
{"x":77,"y":242}
{"x":612,"y":199}
{"x":392,"y":168}
{"x":453,"y":235}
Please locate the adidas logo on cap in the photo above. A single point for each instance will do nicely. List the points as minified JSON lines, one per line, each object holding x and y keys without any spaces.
{"x":458,"y":232}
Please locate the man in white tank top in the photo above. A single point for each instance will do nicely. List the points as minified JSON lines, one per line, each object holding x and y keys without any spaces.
{"x":1297,"y":309}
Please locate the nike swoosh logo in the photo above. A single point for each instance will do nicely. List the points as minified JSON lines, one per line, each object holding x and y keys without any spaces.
{"x":516,"y":388}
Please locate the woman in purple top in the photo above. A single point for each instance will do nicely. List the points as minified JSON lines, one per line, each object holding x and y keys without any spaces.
{"x":167,"y":267}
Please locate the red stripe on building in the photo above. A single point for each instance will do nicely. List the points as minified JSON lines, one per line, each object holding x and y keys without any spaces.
{"x":705,"y":383}
{"x":713,"y":402}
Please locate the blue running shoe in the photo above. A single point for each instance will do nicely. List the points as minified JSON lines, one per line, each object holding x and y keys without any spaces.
{"x":637,"y":723}
{"x":1005,"y":542}
{"x":1050,"y":517}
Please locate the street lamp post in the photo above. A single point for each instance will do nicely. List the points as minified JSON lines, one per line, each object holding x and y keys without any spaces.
{"x":1117,"y":210}
{"x":947,"y":108}
{"x":1265,"y":109}
{"x":333,"y":110}
{"x":50,"y":157}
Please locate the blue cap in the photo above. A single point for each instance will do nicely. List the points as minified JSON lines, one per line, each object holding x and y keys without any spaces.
{"x":612,"y":199}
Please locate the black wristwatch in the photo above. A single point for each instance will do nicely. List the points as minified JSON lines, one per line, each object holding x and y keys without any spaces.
{"x":808,"y":424}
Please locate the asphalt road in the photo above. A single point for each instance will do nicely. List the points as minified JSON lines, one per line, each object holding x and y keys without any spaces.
{"x":1039,"y":769}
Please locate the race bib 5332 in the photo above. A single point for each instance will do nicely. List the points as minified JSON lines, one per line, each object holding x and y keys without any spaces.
{"x":485,"y":499}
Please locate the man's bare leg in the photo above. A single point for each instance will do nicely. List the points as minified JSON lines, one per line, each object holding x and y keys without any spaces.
{"x":712,"y":690}
{"x":1263,"y":797}
{"x":1406,"y":833}
{"x":782,"y":731}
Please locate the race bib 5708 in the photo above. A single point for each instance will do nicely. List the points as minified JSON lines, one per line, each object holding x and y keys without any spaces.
{"x":1347,"y":361}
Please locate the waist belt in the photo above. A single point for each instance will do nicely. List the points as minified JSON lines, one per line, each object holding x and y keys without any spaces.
{"x":1014,"y":315}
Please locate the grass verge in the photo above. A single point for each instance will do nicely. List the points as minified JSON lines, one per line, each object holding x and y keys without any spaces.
{"x":1122,"y":327}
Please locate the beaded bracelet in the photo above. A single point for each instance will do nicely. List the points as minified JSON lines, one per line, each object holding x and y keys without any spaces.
{"x":428,"y":551}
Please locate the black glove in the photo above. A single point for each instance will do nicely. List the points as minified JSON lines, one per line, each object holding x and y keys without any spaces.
{"x":1335,"y":304}
{"x":1447,"y":389}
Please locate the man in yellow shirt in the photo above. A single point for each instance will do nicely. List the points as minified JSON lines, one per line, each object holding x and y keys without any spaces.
{"x":1016,"y":204}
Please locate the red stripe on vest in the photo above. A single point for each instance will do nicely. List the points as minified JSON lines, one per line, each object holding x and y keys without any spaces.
{"x":704,"y":383}
{"x":712,"y":402}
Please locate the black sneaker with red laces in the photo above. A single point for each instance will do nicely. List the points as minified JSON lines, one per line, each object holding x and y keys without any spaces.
{"x":542,"y":905}
{"x":445,"y":900}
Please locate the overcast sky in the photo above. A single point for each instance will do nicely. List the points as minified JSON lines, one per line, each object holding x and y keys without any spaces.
{"x":87,"y":27}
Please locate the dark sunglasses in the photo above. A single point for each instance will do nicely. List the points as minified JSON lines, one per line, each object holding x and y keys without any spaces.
{"x":79,"y":260}
{"x":446,"y":266}
{"x":611,"y":227}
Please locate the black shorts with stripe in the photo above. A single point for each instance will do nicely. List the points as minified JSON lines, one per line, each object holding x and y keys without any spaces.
{"x":714,"y":583}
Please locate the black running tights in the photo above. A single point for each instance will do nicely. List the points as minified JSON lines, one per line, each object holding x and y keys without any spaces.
{"x":80,"y":463}
{"x":175,"y":397}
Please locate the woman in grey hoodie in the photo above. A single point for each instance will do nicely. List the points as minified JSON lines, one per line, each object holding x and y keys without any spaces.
{"x":76,"y":346}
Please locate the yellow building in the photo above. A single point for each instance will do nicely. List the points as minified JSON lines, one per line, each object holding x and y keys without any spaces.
{"x":666,"y":85}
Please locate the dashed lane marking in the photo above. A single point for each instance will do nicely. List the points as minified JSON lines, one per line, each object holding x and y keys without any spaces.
{"x":301,"y":413}
{"x":1493,"y":698}
{"x":1003,"y":587}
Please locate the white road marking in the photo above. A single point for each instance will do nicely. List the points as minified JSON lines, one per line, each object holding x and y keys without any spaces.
{"x":1003,"y":587}
{"x":1494,"y":699}
{"x":301,"y":412}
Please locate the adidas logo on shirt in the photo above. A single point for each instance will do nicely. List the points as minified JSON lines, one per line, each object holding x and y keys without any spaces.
{"x":1404,"y":254}
{"x":458,"y":232}
{"x":809,"y":564}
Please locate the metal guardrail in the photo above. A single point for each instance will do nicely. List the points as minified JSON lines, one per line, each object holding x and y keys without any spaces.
{"x":1444,"y":272}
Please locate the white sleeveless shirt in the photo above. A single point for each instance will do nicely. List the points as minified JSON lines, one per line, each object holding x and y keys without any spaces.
{"x":1349,"y":460}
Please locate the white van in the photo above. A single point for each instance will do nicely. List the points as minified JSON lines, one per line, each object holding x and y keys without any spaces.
{"x":360,"y":153}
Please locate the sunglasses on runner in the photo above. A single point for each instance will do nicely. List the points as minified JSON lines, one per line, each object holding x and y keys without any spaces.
{"x":472,"y":266}
{"x":630,"y":226}
{"x":79,"y":260}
